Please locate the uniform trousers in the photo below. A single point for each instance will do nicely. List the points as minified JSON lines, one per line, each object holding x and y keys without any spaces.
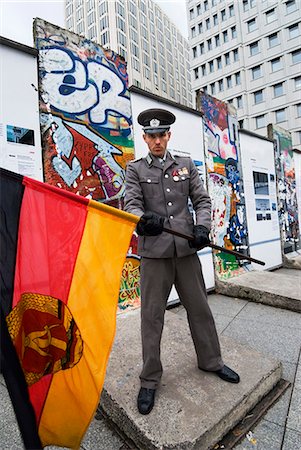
{"x":157,"y":277}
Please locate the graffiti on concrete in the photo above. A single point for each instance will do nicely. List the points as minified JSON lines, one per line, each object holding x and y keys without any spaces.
{"x":287,"y":196}
{"x":85,"y":114}
{"x":229,"y":226}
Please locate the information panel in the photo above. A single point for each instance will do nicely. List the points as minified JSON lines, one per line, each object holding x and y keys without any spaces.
{"x":258,"y":164}
{"x":20,"y":141}
{"x":180,"y":145}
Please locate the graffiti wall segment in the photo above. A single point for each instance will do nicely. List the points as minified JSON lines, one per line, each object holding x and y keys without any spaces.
{"x":287,"y":196}
{"x":86,"y":125}
{"x":225,"y":185}
{"x":85,"y":114}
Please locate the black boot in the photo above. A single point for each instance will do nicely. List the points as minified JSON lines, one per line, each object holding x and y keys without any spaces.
{"x":146,"y":400}
{"x":227,"y":374}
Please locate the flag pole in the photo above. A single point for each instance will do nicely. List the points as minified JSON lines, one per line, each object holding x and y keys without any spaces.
{"x":215,"y":247}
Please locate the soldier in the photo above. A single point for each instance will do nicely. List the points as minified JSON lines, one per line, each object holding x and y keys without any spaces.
{"x":157,"y":189}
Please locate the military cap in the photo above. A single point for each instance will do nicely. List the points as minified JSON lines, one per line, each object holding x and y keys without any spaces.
{"x":156,"y":120}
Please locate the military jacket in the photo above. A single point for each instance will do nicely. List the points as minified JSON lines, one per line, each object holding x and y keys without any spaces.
{"x":165,"y":190}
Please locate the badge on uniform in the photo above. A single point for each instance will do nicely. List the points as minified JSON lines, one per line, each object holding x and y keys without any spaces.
{"x":179,"y":174}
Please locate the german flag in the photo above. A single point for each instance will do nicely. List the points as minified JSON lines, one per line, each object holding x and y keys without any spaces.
{"x":61,"y":262}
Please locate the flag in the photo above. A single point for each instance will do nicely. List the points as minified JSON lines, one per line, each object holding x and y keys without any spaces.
{"x":61,"y":261}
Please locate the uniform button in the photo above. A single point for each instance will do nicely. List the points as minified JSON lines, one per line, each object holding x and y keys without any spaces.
{"x":167,"y":190}
{"x":149,"y":180}
{"x":171,"y":217}
{"x":182,"y":178}
{"x":166,"y":175}
{"x":169,"y":203}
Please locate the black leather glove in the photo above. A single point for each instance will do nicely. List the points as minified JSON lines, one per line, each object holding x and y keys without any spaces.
{"x":201,"y":237}
{"x":150,"y":224}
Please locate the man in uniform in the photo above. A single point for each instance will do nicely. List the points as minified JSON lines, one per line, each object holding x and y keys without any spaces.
{"x":157,"y":189}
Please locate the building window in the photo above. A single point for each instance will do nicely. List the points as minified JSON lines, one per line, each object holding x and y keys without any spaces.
{"x":207,"y":22}
{"x":231,"y":10}
{"x":254,"y":48}
{"x":193,"y":32}
{"x":291,"y":6}
{"x":278,"y":89}
{"x":209,"y":44}
{"x":211,"y":67}
{"x":299,"y":136}
{"x":198,"y":9}
{"x":223,"y":15}
{"x":221,"y":85}
{"x":217,"y":40}
{"x":273,"y":40}
{"x":256,"y":72}
{"x":233,"y":32}
{"x":225,"y":36}
{"x":104,"y":38}
{"x":213,"y":2}
{"x":206,"y":5}
{"x":230,"y":101}
{"x":245,"y":5}
{"x":235,"y":55}
{"x":280,"y":115}
{"x":212,"y":87}
{"x":203,"y":68}
{"x":260,"y":121}
{"x":227,"y":58}
{"x":239,"y":101}
{"x":229,"y":82}
{"x":296,"y":56}
{"x":276,"y":64}
{"x":202,"y":48}
{"x":258,"y":96}
{"x":191,"y":14}
{"x":237,"y":78}
{"x":215,"y":19}
{"x":194,"y":52}
{"x":297,"y":82}
{"x":200,"y":26}
{"x":219,"y":62}
{"x":196,"y":73}
{"x":298,"y":107}
{"x":252,"y":25}
{"x":270,"y":15}
{"x":293,"y":31}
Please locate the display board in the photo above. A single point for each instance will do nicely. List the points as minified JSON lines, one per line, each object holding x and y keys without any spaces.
{"x":186,"y":140}
{"x":258,"y":165}
{"x":20,"y":141}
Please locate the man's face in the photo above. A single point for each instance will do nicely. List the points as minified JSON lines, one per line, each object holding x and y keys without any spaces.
{"x":157,"y":142}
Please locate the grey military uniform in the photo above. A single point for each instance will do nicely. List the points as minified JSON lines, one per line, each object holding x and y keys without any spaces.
{"x":165,"y":191}
{"x":168,"y":260}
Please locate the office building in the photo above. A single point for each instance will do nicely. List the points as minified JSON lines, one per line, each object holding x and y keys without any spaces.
{"x":156,"y":53}
{"x":248,"y":53}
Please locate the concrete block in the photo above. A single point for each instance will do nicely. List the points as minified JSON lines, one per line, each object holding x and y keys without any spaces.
{"x":193,"y":409}
{"x":274,"y":289}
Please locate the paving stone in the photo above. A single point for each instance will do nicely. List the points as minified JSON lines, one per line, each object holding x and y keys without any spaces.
{"x":292,"y":440}
{"x":268,"y":436}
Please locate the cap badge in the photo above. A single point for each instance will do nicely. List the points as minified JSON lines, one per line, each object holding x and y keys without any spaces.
{"x":154,"y":123}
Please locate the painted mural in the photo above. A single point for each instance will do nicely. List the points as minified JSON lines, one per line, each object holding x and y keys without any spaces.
{"x":225,"y":186}
{"x":286,"y":182}
{"x":86,"y":123}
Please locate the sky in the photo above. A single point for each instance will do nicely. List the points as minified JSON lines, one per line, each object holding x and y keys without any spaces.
{"x":16,"y":16}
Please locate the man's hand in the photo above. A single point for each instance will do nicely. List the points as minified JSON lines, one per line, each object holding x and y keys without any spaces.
{"x":201,"y":237}
{"x":150,"y":224}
